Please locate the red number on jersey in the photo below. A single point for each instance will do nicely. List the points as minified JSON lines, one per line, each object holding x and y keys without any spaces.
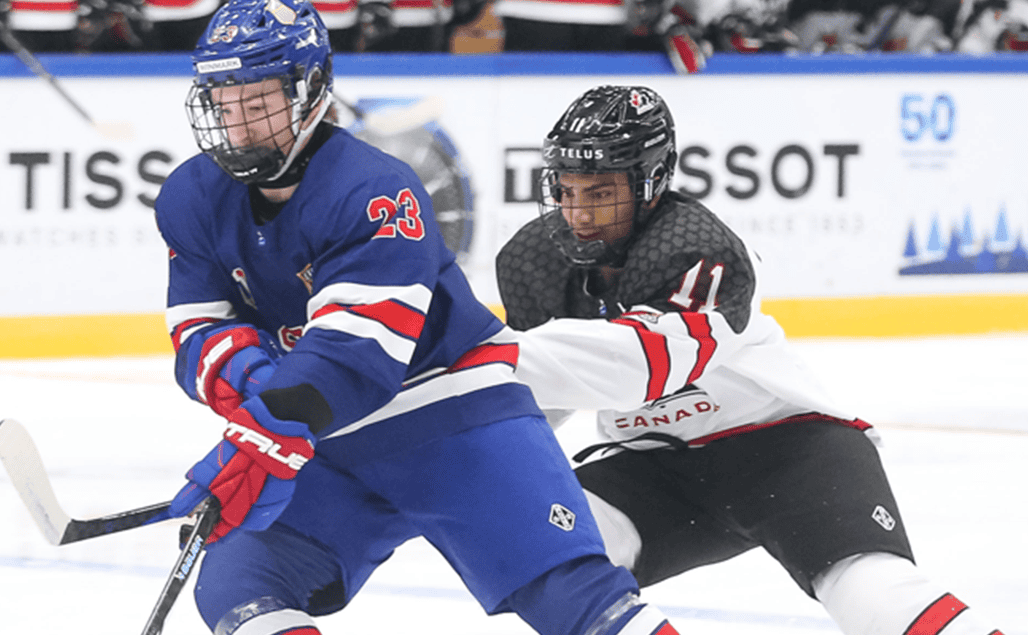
{"x":410,"y":225}
{"x":386,"y":211}
{"x":383,"y":209}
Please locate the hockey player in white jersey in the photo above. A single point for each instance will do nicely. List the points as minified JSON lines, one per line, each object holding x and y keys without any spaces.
{"x":718,"y":438}
{"x":313,"y":303}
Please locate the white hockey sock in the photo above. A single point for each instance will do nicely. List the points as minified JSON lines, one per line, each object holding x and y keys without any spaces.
{"x":884,"y":594}
{"x":620,"y":537}
{"x":646,"y":620}
{"x":266,"y":616}
{"x":286,"y":622}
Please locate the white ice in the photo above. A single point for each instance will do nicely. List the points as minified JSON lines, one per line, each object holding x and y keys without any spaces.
{"x":117,"y":434}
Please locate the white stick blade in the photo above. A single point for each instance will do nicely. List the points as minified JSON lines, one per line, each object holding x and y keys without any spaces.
{"x":391,"y":121}
{"x":21,"y":459}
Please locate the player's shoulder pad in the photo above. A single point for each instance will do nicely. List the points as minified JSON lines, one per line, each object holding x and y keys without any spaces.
{"x":531,"y":275}
{"x":353,"y":161}
{"x":193,"y":178}
{"x":683,"y":233}
{"x":190,"y":195}
{"x":347,"y":174}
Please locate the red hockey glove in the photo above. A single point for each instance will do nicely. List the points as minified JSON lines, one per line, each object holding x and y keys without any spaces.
{"x":251,"y":472}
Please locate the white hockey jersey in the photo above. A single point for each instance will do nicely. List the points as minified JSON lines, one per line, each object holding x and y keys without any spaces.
{"x":678,"y":347}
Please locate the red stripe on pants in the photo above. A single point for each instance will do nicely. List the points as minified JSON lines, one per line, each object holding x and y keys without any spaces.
{"x":935,"y":618}
{"x":666,"y":629}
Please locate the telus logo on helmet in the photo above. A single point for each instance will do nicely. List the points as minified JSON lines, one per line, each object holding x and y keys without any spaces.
{"x":580,"y":153}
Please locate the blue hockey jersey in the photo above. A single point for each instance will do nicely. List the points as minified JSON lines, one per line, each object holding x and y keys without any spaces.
{"x":353,"y":279}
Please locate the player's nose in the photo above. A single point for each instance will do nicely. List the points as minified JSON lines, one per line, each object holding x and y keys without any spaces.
{"x":580,"y":215}
{"x":238,"y":133}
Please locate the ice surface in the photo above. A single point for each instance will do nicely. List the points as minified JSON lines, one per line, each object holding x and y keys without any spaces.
{"x":117,"y":434}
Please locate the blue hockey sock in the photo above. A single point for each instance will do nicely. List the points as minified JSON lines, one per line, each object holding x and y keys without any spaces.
{"x":586,"y":596}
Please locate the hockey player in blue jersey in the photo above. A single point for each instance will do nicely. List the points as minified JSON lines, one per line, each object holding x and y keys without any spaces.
{"x":313,"y":303}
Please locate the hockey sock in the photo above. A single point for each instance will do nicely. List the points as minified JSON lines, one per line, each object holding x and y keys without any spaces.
{"x":884,"y":594}
{"x":620,"y":537}
{"x":265,"y":616}
{"x":629,"y":616}
{"x":606,"y":601}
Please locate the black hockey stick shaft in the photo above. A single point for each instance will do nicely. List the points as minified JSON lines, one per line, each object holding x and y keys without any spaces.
{"x":84,"y":529}
{"x":208,"y":517}
{"x":36,"y":67}
{"x":24,"y":466}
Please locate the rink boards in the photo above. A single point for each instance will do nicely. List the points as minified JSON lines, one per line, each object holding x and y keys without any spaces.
{"x":885,"y":195}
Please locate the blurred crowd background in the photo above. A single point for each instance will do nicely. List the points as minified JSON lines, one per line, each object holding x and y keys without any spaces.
{"x":487,"y":26}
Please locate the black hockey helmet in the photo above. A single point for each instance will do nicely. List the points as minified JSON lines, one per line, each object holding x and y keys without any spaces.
{"x":608,"y":129}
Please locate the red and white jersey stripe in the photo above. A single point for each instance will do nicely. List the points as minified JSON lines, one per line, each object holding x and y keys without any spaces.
{"x":337,"y":14}
{"x":392,"y":316}
{"x":184,"y":319}
{"x":421,"y":13}
{"x":567,"y":11}
{"x":490,"y":364}
{"x":43,"y":15}
{"x":621,"y":364}
{"x":174,"y":10}
{"x":622,"y":368}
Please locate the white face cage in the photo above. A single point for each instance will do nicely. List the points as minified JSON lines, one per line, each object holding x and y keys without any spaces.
{"x":254,"y":130}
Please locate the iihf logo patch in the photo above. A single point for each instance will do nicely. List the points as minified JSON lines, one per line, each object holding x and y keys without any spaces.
{"x":562,"y":517}
{"x":883,"y":518}
{"x":306,"y":276}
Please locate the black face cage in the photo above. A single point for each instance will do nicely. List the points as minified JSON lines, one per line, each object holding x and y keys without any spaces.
{"x":593,"y":253}
{"x":262,"y":159}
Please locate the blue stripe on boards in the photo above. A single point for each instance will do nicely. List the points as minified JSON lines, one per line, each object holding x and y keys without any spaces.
{"x":518,"y":64}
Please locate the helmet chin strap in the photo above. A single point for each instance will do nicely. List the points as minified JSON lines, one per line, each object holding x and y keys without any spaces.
{"x":301,"y":134}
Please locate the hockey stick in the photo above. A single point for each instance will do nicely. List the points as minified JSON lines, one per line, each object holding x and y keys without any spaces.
{"x":25,"y":467}
{"x":396,"y":120}
{"x":110,"y":130}
{"x":878,"y":39}
{"x":208,"y":517}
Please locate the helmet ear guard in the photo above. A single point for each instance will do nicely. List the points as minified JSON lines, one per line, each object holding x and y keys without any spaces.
{"x":656,"y":182}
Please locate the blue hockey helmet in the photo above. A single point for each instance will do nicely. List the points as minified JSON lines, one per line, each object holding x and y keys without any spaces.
{"x":249,"y":42}
{"x":626,"y":129}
